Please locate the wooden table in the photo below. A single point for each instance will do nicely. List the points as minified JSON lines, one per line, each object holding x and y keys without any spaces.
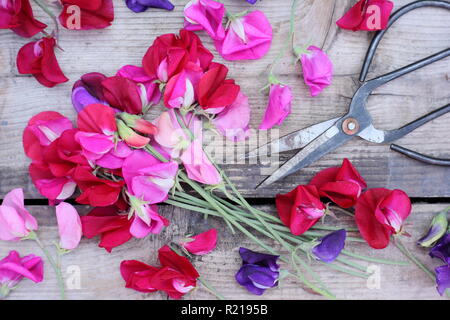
{"x":417,"y":35}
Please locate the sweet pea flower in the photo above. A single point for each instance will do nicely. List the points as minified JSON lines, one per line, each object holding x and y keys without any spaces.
{"x":205,"y":15}
{"x":379,"y":213}
{"x":94,"y":14}
{"x":13,"y":268}
{"x":38,"y":59}
{"x":88,"y":90}
{"x":279,"y":107}
{"x":441,"y":249}
{"x":252,"y":1}
{"x":97,"y":118}
{"x":300,"y":209}
{"x":15,"y":221}
{"x":147,"y":178}
{"x":368,"y":15}
{"x":123,"y":94}
{"x":179,"y":92}
{"x":259,"y":271}
{"x":41,"y":131}
{"x":176,"y":276}
{"x":146,"y":221}
{"x":233,"y":121}
{"x":170,"y":135}
{"x":330,"y":246}
{"x":248,"y":37}
{"x":343,"y":185}
{"x":142,"y":5}
{"x":202,"y":243}
{"x":442,"y":278}
{"x":18,"y":16}
{"x":112,"y":227}
{"x":138,"y":75}
{"x":438,"y":228}
{"x":69,"y":226}
{"x":317,"y":69}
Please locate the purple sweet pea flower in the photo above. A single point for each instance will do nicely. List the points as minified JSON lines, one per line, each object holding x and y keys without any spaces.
{"x":442,"y":249}
{"x":442,"y":278}
{"x":88,"y":90}
{"x":259,"y":271}
{"x":142,"y":5}
{"x":252,"y":1}
{"x":330,"y":246}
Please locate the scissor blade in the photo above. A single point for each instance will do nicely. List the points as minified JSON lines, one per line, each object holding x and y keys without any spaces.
{"x":325,"y":143}
{"x":292,"y":141}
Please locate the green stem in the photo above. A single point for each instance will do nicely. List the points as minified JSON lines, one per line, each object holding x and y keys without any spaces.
{"x":211,"y":289}
{"x":51,"y":15}
{"x":399,"y":244}
{"x":54,"y":264}
{"x":375,"y":260}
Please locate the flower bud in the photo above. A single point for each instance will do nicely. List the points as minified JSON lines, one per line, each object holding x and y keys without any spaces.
{"x":138,"y":123}
{"x":437,"y":229}
{"x":130,"y":137}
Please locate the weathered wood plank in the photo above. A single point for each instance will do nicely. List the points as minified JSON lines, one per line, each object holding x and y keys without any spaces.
{"x":415,"y":36}
{"x":100,"y":276}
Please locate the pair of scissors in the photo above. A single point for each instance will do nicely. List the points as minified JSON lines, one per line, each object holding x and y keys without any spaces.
{"x":322,"y":138}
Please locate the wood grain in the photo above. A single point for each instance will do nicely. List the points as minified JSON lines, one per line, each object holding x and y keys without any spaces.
{"x":415,"y":36}
{"x":100,"y":276}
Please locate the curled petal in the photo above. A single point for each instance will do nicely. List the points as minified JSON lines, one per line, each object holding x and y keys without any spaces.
{"x":202,"y":243}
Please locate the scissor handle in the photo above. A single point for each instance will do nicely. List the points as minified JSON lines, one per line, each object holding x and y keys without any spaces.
{"x":421,"y":157}
{"x":379,"y":35}
{"x":392,"y":135}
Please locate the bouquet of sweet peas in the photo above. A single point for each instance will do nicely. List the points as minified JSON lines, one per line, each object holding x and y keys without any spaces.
{"x":124,"y":165}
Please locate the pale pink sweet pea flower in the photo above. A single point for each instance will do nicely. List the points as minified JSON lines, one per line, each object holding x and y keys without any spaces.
{"x":202,"y":243}
{"x":147,"y":220}
{"x":205,"y":15}
{"x":15,"y":221}
{"x":69,"y":226}
{"x":233,"y":121}
{"x":279,"y":107}
{"x":247,"y":38}
{"x":13,"y":268}
{"x":317,"y":69}
{"x":147,"y":178}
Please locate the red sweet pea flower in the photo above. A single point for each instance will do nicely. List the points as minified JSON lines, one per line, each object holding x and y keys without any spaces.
{"x":380,"y":213}
{"x":300,"y":209}
{"x":368,"y":15}
{"x":176,"y":276}
{"x":17,"y":15}
{"x":214,"y":91}
{"x":123,"y":94}
{"x":38,"y":59}
{"x":113,"y":228}
{"x":93,"y":14}
{"x":343,"y":185}
{"x":97,"y":118}
{"x":95,"y":191}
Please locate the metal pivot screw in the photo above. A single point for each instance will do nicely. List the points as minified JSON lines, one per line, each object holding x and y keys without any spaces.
{"x":350,"y":126}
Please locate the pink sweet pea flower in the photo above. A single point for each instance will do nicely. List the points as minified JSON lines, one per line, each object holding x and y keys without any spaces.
{"x":147,"y":220}
{"x":202,"y":243}
{"x":115,"y":157}
{"x":69,"y":226}
{"x":179,"y":92}
{"x":279,"y":107}
{"x":248,"y":38}
{"x":14,"y":268}
{"x":170,"y":136}
{"x":94,"y":145}
{"x":367,"y":15}
{"x":15,"y":221}
{"x":317,"y":69}
{"x":233,"y":121}
{"x":205,"y":15}
{"x":147,"y":178}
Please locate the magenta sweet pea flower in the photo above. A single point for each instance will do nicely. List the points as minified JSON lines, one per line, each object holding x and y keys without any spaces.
{"x":233,"y":121}
{"x":69,"y":226}
{"x":247,"y":38}
{"x":179,"y":92}
{"x":205,"y":15}
{"x":142,"y":5}
{"x":14,"y":268}
{"x":15,"y":221}
{"x":279,"y":107}
{"x":368,"y":15}
{"x":330,"y":246}
{"x":259,"y":271}
{"x":317,"y":69}
{"x":146,"y":220}
{"x":202,"y":243}
{"x":147,"y":178}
